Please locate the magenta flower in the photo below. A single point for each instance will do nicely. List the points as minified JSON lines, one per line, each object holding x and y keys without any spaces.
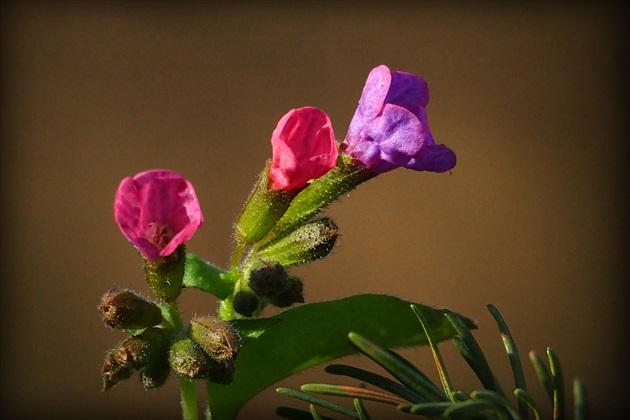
{"x":390,"y":129}
{"x":304,"y":148}
{"x":157,"y":211}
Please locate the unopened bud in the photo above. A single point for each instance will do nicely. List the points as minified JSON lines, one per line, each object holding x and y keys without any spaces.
{"x":268,"y":280}
{"x":222,"y":372}
{"x":245,"y":303}
{"x":216,"y":337}
{"x":308,"y":242}
{"x":190,"y":360}
{"x":156,"y":373}
{"x":125,"y":309}
{"x":291,"y":292}
{"x":165,"y":275}
{"x":132,"y":354}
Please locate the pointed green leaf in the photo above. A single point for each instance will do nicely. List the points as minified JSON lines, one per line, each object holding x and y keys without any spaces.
{"x":558,"y":384}
{"x":359,"y":407}
{"x":312,"y":334}
{"x":376,"y":380}
{"x":398,"y":367}
{"x":317,"y":401}
{"x":579,"y":400}
{"x":513,"y":356}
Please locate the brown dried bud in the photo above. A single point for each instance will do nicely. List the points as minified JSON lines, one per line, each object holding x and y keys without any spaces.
{"x":125,"y":309}
{"x":216,"y":337}
{"x":131,"y":355}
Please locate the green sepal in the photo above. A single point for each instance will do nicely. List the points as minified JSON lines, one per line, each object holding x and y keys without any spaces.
{"x":165,"y":275}
{"x":307,"y":243}
{"x":263,"y":209}
{"x":320,"y":193}
{"x":207,"y":277}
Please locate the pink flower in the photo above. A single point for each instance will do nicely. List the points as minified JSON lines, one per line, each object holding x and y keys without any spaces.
{"x":157,"y":211}
{"x":304,"y":148}
{"x":390,"y":128}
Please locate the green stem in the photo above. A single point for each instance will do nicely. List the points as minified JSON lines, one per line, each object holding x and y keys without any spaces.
{"x":189,"y":398}
{"x":226,"y":309}
{"x":187,"y":390}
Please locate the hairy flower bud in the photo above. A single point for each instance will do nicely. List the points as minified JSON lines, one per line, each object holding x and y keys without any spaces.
{"x":245,"y":303}
{"x":309,"y":242}
{"x":292,"y":291}
{"x":155,"y":374}
{"x":125,"y":309}
{"x":190,"y":360}
{"x":133,"y":354}
{"x":268,"y":280}
{"x":216,"y":337}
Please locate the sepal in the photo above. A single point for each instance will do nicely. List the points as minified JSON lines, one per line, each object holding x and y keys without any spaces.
{"x":165,"y":275}
{"x":320,"y":193}
{"x":263,"y":209}
{"x":309,"y":242}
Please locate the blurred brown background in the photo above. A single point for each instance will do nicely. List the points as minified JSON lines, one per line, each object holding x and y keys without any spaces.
{"x":529,"y":95}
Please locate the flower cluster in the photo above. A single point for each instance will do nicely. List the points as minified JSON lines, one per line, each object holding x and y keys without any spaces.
{"x":158,"y":212}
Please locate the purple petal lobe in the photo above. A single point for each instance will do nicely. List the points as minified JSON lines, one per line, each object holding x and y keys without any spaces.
{"x":390,"y":128}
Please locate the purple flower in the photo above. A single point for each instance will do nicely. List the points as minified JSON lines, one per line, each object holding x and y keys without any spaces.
{"x":157,"y":211}
{"x":389,"y":128}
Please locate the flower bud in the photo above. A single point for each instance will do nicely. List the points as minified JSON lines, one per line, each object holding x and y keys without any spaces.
{"x":156,"y":373}
{"x":216,"y":337}
{"x":304,"y":148}
{"x":292,"y":291}
{"x":222,"y":372}
{"x":165,"y":275}
{"x":263,"y":209}
{"x":190,"y":360}
{"x":125,"y":309}
{"x":133,"y":354}
{"x":268,"y":280}
{"x":308,"y":242}
{"x":245,"y":303}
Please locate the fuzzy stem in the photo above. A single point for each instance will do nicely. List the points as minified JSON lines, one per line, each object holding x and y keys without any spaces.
{"x":188,"y":393}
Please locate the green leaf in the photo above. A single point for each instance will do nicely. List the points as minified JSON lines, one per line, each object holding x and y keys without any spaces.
{"x":207,"y":277}
{"x":315,"y":333}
